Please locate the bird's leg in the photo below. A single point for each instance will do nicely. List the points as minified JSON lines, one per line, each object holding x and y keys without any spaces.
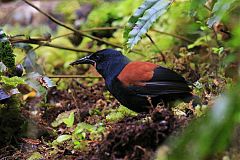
{"x":151,"y":109}
{"x":161,"y":113}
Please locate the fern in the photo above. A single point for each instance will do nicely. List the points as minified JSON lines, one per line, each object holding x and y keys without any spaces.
{"x":143,"y":19}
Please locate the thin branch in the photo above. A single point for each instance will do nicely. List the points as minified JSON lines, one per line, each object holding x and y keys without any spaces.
{"x":88,"y":30}
{"x":120,"y":27}
{"x":39,"y":41}
{"x":73,"y":76}
{"x":63,"y":35}
{"x":70,"y":28}
{"x":150,"y":38}
{"x":101,"y":29}
{"x":174,"y":35}
{"x":163,"y":57}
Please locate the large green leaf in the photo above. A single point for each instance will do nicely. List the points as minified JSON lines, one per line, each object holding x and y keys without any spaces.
{"x":219,"y":10}
{"x":143,"y":19}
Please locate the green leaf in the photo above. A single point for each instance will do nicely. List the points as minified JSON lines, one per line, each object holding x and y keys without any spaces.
{"x":219,"y":10}
{"x":134,"y":18}
{"x":63,"y":138}
{"x":61,"y":117}
{"x":202,"y":41}
{"x":35,"y":156}
{"x":70,"y":120}
{"x":143,"y":19}
{"x":13,"y":81}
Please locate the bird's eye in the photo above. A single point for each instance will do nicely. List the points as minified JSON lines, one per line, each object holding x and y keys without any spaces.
{"x":97,"y":57}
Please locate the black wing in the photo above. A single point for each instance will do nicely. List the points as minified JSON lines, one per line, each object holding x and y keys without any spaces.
{"x":163,"y":82}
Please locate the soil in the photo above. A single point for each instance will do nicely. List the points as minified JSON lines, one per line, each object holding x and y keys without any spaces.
{"x":127,"y":139}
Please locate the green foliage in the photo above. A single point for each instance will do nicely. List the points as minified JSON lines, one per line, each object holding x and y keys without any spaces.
{"x":201,"y":110}
{"x":220,"y":8}
{"x":11,"y":121}
{"x":65,"y":117}
{"x":70,"y":120}
{"x":67,"y":7}
{"x":120,"y":113}
{"x":63,"y":138}
{"x":12,"y":82}
{"x":195,"y":5}
{"x":105,"y":16}
{"x":83,"y":129}
{"x":211,"y":133}
{"x":6,"y":51}
{"x":203,"y":45}
{"x":111,"y":12}
{"x":35,"y":156}
{"x":80,"y":135}
{"x":201,"y":41}
{"x":143,"y":19}
{"x":114,"y":117}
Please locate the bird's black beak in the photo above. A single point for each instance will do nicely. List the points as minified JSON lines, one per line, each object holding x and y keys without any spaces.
{"x":84,"y":60}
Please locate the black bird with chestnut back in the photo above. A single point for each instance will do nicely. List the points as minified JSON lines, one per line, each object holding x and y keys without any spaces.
{"x":137,"y":85}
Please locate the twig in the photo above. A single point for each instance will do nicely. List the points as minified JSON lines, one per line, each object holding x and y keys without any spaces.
{"x":63,"y":35}
{"x":72,"y":76}
{"x":88,"y":30}
{"x":150,"y":38}
{"x":70,"y":28}
{"x":163,"y":57}
{"x":39,"y":41}
{"x":174,"y":35}
{"x":101,"y":29}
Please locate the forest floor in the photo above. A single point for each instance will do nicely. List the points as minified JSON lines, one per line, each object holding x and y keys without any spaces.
{"x":130,"y":137}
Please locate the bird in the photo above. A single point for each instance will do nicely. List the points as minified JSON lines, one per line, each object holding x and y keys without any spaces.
{"x":139,"y":86}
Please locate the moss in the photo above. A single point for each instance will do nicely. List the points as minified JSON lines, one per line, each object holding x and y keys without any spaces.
{"x":11,"y":121}
{"x":6,"y":54}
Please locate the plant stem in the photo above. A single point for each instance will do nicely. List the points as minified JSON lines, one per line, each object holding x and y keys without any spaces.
{"x":173,"y":35}
{"x":39,"y":41}
{"x":72,"y":76}
{"x":70,"y":28}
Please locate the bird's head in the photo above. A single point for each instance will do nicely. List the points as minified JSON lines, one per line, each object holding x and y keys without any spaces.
{"x":108,"y":62}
